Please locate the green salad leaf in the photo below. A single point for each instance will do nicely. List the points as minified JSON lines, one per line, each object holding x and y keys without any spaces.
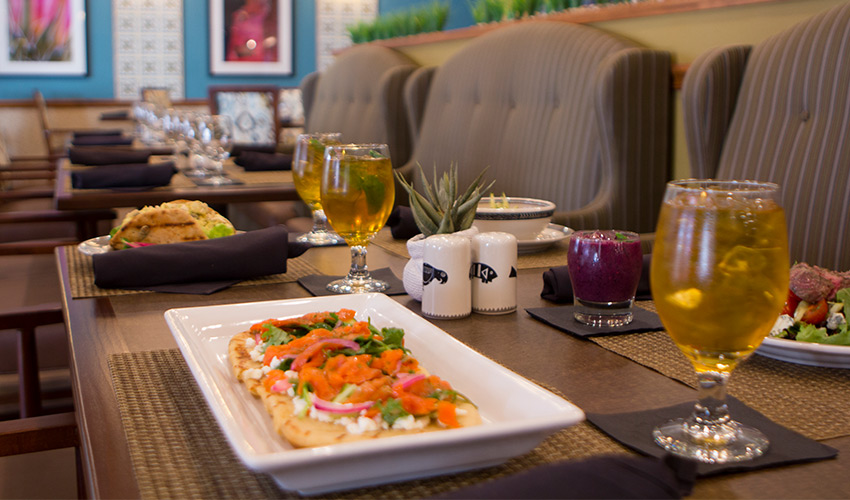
{"x":274,"y":335}
{"x":843,"y":295}
{"x":391,"y":410}
{"x":810,"y":333}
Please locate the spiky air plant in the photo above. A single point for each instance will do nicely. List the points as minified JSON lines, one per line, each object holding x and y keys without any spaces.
{"x":438,"y":209}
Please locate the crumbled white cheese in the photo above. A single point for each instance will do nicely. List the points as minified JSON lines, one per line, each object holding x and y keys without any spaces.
{"x":292,"y":375}
{"x":299,"y":404}
{"x":460,"y":411}
{"x":835,"y":320}
{"x":250,"y":343}
{"x":257,"y":353}
{"x":409,"y":423}
{"x":361,"y":425}
{"x":782,"y":323}
{"x":252,"y":373}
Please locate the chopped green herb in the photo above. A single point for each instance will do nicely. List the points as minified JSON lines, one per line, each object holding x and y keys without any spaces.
{"x":391,"y":410}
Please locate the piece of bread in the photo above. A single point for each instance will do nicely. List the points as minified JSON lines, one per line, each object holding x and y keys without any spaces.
{"x":304,"y":431}
{"x":172,"y":222}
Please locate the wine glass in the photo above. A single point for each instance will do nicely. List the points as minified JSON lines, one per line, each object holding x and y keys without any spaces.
{"x":215,"y":135}
{"x":307,"y":173}
{"x":719,"y":279}
{"x":357,"y":194}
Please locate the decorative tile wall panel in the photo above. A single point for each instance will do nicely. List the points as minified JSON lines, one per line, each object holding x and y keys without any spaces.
{"x":332,"y":17}
{"x":148,"y":46}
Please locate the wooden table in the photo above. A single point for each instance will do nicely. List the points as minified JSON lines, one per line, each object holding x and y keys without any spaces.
{"x":274,"y":186}
{"x":591,"y":377}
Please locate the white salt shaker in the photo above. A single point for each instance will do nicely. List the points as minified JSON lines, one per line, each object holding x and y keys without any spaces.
{"x":493,"y":273}
{"x":446,"y":292}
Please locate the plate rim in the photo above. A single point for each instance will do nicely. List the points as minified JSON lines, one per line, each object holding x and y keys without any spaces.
{"x":273,"y":461}
{"x":807,"y":353}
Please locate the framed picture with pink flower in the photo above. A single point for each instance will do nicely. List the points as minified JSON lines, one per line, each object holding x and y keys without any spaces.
{"x":250,"y":37}
{"x":43,"y":37}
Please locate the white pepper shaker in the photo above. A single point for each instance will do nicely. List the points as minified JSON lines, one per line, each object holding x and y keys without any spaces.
{"x":493,"y":273}
{"x":446,"y":292}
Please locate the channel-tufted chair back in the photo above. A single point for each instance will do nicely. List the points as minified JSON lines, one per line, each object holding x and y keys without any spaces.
{"x":557,"y":111}
{"x":780,"y":112}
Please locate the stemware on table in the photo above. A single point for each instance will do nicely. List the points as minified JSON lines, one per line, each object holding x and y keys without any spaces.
{"x":357,"y":194}
{"x":216,"y":137}
{"x":719,"y":279}
{"x":307,"y":166}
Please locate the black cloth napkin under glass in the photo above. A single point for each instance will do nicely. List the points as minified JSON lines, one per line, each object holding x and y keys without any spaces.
{"x":634,"y":429}
{"x":124,"y":176}
{"x":253,"y":161}
{"x":90,"y":156}
{"x":238,"y":149}
{"x":401,"y":223}
{"x":613,"y":476}
{"x":316,"y":283}
{"x":199,"y":267}
{"x":562,"y":318}
{"x":102,"y":140}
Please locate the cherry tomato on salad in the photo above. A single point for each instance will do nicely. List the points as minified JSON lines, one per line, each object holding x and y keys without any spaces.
{"x":791,"y":303}
{"x":816,"y":313}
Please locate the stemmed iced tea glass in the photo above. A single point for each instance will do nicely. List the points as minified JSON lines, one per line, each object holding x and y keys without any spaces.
{"x":357,"y":194}
{"x":719,"y":279}
{"x":307,"y":166}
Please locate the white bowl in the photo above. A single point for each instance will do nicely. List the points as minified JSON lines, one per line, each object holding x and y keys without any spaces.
{"x":525,"y":218}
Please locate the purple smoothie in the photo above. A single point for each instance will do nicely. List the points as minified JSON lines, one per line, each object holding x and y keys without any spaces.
{"x":604,"y":267}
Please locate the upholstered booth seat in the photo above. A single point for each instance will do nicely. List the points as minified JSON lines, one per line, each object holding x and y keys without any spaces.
{"x":780,"y":112}
{"x":361,"y":96}
{"x":556,"y":111}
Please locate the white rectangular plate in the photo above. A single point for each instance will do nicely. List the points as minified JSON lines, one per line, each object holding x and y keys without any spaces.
{"x":517,"y":413}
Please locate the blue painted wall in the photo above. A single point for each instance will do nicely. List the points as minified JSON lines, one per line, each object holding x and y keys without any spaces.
{"x":98,"y":84}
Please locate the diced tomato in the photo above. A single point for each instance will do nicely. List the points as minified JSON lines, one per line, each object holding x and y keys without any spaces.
{"x":447,"y":414}
{"x":791,"y":303}
{"x":816,"y":313}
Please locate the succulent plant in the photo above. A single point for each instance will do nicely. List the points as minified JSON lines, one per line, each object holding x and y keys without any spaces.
{"x":438,"y":209}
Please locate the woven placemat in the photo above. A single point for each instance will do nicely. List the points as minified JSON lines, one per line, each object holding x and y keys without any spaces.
{"x":810,"y":400}
{"x":178,"y":450}
{"x":81,"y":276}
{"x":556,"y":255}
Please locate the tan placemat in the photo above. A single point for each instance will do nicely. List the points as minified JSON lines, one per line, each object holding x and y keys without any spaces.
{"x":556,"y":255}
{"x":260,"y":177}
{"x":810,"y":400}
{"x":178,"y":450}
{"x":81,"y":276}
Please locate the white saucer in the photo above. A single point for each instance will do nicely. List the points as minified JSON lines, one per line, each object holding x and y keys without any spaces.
{"x":551,"y":235}
{"x":95,"y":246}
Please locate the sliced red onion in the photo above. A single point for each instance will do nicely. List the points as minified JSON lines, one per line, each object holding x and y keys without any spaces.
{"x":406,"y":380}
{"x":138,"y":244}
{"x":281,"y":385}
{"x":258,"y":338}
{"x":318,"y":345}
{"x":332,"y":407}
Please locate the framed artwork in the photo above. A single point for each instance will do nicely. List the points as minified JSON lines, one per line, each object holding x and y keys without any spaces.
{"x":38,"y":37}
{"x":250,"y":37}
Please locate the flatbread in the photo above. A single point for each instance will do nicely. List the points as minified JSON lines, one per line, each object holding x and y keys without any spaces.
{"x":172,"y":222}
{"x":305,"y":431}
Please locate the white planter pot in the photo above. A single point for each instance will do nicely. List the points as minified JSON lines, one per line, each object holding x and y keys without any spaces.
{"x":412,"y":278}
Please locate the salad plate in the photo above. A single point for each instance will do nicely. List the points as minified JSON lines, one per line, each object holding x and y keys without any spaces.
{"x":548,"y":237}
{"x":806,"y":353}
{"x":517,"y":414}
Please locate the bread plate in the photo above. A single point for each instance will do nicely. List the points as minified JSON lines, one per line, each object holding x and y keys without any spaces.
{"x":509,"y":430}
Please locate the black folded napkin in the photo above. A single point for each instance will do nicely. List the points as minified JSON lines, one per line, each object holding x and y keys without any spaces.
{"x":316,"y":283}
{"x":634,"y":430}
{"x":557,"y":286}
{"x":613,"y":476}
{"x":115,"y":115}
{"x":562,"y":318}
{"x":94,"y":133}
{"x":102,"y":140}
{"x":94,"y":156}
{"x":200,"y":267}
{"x":401,"y":223}
{"x":238,"y":149}
{"x":254,"y":161}
{"x":124,"y":176}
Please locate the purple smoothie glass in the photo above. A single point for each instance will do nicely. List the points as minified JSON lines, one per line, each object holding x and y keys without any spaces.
{"x":605,"y":267}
